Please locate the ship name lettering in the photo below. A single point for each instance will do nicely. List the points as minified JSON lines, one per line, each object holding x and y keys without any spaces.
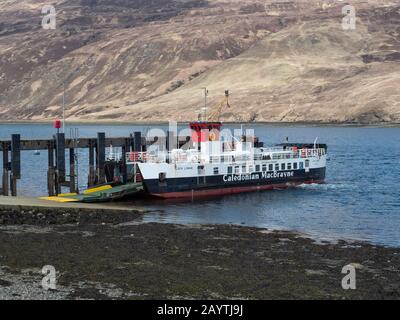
{"x":264,"y":175}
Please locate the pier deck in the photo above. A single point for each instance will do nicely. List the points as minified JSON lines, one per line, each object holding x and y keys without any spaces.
{"x":26,"y":203}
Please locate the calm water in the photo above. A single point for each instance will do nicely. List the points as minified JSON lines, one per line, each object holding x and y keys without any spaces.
{"x":361,"y":199}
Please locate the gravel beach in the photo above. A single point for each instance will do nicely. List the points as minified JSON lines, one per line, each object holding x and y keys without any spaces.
{"x":116,"y":256}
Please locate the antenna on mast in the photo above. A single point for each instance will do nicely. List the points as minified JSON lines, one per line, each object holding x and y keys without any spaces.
{"x":205,"y":102}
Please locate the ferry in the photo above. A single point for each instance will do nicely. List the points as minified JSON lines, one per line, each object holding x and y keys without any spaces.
{"x":214,"y":165}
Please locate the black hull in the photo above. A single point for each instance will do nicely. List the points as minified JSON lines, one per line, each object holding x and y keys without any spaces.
{"x":230,"y":184}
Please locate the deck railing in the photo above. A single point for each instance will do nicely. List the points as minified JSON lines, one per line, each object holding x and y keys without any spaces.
{"x":183,"y":157}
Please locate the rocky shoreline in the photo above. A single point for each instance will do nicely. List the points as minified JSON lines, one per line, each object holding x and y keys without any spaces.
{"x":117,"y":256}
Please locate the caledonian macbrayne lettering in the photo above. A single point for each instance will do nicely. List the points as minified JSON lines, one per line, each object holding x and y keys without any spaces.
{"x":257,"y":176}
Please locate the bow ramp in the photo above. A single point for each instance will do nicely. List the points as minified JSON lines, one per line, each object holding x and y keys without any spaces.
{"x":103,"y":193}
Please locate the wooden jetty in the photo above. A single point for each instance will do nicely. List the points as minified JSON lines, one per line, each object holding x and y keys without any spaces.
{"x":56,"y":148}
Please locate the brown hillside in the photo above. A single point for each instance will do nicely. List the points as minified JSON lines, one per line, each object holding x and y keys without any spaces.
{"x":149,"y":60}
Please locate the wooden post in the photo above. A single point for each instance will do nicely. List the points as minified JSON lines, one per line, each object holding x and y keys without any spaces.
{"x":5,"y":185}
{"x":60,"y":161}
{"x":15,"y":162}
{"x":50,"y":170}
{"x":91,"y":178}
{"x":72,"y":186}
{"x":125,"y":148}
{"x":13,"y":186}
{"x":100,"y":157}
{"x":131,"y":142}
{"x":137,"y":142}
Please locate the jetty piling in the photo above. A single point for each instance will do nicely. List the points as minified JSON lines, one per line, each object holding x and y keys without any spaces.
{"x":5,"y":180}
{"x":100,"y":158}
{"x":15,"y":162}
{"x":72,"y":183}
{"x":136,"y":141}
{"x":60,"y":162}
{"x":51,"y":169}
{"x":92,"y":175}
{"x":125,"y":149}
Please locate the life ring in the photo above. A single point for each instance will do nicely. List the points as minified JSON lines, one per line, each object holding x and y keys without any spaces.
{"x":212,"y":136}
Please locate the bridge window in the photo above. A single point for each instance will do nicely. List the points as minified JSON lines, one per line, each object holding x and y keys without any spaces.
{"x":271,"y":167}
{"x":289,"y":166}
{"x":243,"y":169}
{"x":230,"y":170}
{"x":264,"y":167}
{"x":301,"y":165}
{"x":216,"y":170}
{"x":277,"y":167}
{"x":237,"y":170}
{"x":283,"y":166}
{"x":258,"y":168}
{"x":307,"y":163}
{"x":295,"y":166}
